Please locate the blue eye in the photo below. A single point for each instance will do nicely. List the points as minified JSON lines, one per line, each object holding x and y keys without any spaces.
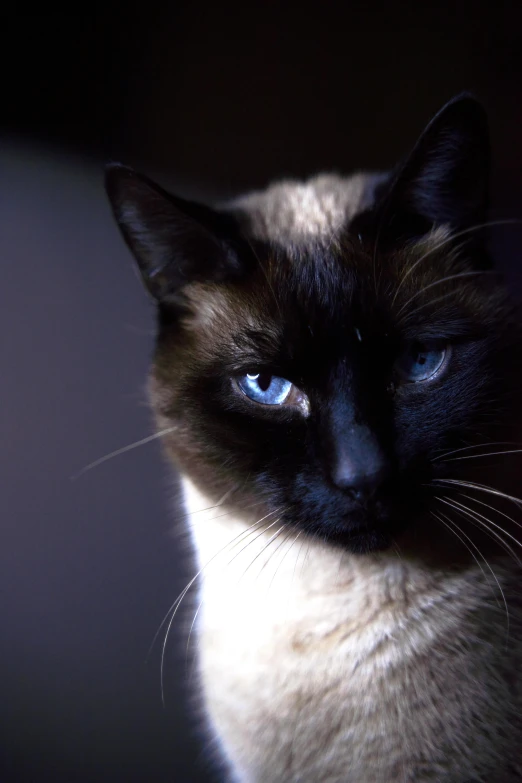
{"x":265,"y":388}
{"x":420,"y":361}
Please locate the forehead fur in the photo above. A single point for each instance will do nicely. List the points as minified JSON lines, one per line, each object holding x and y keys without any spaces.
{"x":316,"y":291}
{"x":296,"y":212}
{"x":231,"y":320}
{"x":314,"y":275}
{"x":216,"y":310}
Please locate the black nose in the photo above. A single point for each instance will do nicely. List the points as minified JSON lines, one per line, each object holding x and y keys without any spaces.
{"x":358,"y":466}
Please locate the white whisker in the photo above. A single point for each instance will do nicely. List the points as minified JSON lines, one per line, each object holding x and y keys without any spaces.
{"x":305,"y":559}
{"x":485,"y":523}
{"x":429,"y":303}
{"x":278,"y":547}
{"x":454,"y":524}
{"x":476,"y":446}
{"x":258,"y":536}
{"x":452,"y":238}
{"x":285,"y":553}
{"x":480,"y":487}
{"x":177,"y":603}
{"x":189,"y":514}
{"x":199,"y":511}
{"x":123,"y":450}
{"x":191,"y":629}
{"x":496,"y":510}
{"x":294,"y":570}
{"x":272,"y":538}
{"x":508,"y":621}
{"x":201,"y":602}
{"x":447,"y":279}
{"x":489,"y":454}
{"x":263,"y":271}
{"x":477,"y":522}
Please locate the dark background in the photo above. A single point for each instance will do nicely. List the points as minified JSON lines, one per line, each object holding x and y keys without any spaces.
{"x":211,"y":99}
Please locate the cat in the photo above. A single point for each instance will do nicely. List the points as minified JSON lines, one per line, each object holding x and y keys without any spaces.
{"x":337,"y":380}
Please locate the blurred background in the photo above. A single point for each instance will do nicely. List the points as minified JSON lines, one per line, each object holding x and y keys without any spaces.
{"x":211,"y":99}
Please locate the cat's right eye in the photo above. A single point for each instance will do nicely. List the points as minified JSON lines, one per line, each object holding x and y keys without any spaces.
{"x":266,"y":389}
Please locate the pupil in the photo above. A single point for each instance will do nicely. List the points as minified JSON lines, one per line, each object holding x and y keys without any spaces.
{"x":264,"y":380}
{"x":421,"y":358}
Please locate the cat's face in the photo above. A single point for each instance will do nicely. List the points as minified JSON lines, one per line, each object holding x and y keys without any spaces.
{"x":310,"y":385}
{"x":325,"y":378}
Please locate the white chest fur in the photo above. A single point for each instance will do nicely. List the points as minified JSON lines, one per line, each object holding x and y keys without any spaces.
{"x":320,"y":666}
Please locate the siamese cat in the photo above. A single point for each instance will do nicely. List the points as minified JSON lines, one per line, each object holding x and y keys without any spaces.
{"x":337,"y":380}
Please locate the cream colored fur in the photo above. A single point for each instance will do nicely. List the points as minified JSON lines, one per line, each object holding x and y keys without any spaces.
{"x":318,"y":665}
{"x":300,"y":212}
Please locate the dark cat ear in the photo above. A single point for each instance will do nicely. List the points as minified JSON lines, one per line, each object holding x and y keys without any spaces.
{"x":173,"y":240}
{"x":445,"y":179}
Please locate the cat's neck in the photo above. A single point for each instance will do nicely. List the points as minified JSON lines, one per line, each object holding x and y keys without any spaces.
{"x":263,"y":564}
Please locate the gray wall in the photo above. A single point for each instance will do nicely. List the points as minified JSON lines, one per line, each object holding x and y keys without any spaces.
{"x":88,"y":567}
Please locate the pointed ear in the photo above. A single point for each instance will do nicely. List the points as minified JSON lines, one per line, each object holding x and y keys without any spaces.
{"x":173,"y":240}
{"x":445,"y":179}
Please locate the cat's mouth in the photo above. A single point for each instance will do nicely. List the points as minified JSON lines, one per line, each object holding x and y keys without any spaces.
{"x":370,"y":530}
{"x":368,"y":525}
{"x":362,"y":541}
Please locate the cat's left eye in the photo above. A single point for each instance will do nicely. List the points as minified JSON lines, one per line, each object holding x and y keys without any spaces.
{"x":421,"y":361}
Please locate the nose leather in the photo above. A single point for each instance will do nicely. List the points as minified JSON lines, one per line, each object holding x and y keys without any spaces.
{"x":358,"y":464}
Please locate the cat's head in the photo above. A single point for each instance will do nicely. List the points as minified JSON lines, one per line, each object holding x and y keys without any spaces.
{"x":321,"y":346}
